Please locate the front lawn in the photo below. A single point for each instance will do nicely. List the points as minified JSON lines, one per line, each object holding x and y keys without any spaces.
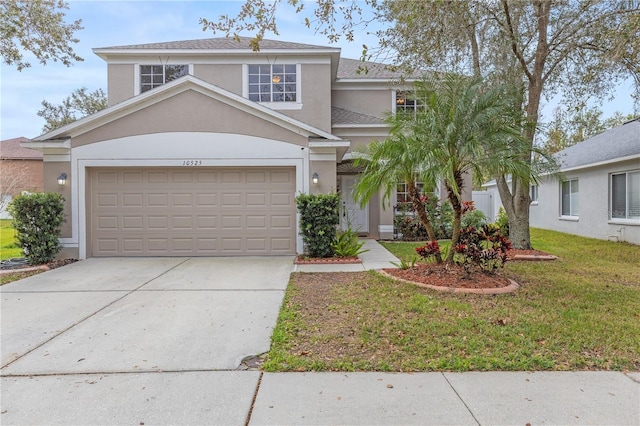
{"x":8,"y":248}
{"x":580,"y":312}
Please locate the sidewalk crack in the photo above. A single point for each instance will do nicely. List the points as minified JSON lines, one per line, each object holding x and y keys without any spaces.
{"x":253,"y":401}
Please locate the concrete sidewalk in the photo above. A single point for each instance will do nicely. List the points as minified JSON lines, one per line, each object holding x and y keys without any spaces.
{"x":227,"y":397}
{"x":376,"y":257}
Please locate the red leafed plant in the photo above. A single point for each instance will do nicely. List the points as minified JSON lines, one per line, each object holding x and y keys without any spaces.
{"x":485,"y":247}
{"x":428,"y":250}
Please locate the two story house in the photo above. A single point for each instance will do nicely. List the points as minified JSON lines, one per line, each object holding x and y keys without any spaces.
{"x":206,"y":143}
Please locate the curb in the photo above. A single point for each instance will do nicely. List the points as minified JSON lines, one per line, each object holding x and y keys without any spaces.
{"x":513,"y":286}
{"x":29,"y":269}
{"x":534,"y":257}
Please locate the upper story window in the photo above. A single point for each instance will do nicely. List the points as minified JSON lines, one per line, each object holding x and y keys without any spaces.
{"x":156,"y":75}
{"x":273,"y":83}
{"x":569,"y":199}
{"x":406,"y":102}
{"x":625,"y":195}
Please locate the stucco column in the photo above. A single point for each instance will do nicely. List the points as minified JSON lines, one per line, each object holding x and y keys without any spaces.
{"x":322,"y":162}
{"x":385,"y":227}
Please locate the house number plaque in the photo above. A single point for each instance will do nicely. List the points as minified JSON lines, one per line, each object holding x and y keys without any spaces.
{"x":192,"y":163}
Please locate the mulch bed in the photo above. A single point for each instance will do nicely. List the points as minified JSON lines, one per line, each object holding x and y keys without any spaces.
{"x":305,"y":260}
{"x":450,"y":276}
{"x":519,"y":254}
{"x":44,"y":267}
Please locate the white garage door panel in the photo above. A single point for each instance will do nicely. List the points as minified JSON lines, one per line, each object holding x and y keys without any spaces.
{"x":195,"y":212}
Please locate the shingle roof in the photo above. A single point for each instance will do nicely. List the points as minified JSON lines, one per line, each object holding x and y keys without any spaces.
{"x":344,"y":116}
{"x":220,"y":43}
{"x":619,"y":142}
{"x":355,"y":69}
{"x":10,"y":149}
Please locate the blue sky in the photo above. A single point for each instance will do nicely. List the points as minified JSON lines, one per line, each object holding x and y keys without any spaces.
{"x":112,"y":23}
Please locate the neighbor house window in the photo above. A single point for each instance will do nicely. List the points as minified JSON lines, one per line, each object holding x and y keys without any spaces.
{"x":569,"y":199}
{"x":534,"y":193}
{"x":625,"y":195}
{"x":273,"y":83}
{"x":156,"y":75}
{"x":406,"y":103}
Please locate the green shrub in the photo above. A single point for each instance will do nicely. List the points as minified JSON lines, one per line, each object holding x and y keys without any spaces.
{"x":474,"y":218}
{"x":347,"y":244}
{"x":407,"y":223}
{"x":502,"y":221}
{"x":37,"y":219}
{"x":319,"y":219}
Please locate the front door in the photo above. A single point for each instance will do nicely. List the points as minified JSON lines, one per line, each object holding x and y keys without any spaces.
{"x":351,"y":212}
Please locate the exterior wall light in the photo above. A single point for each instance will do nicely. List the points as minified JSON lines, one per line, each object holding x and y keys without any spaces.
{"x":315,"y":178}
{"x":62,"y":179}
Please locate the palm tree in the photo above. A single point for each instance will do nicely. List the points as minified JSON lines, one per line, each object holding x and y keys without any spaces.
{"x":399,"y":158}
{"x":460,"y":127}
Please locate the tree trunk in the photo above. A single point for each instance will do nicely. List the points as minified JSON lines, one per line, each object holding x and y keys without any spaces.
{"x":456,"y":204}
{"x":418,"y":205}
{"x":516,"y":202}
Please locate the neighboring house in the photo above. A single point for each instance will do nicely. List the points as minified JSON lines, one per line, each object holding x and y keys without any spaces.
{"x":21,"y":169}
{"x":205,"y":145}
{"x":597,"y":193}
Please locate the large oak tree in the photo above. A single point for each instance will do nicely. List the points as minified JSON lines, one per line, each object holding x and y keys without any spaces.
{"x":580,"y":49}
{"x":38,"y":27}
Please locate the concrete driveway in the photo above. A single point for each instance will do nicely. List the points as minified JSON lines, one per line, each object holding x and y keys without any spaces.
{"x":73,"y":328}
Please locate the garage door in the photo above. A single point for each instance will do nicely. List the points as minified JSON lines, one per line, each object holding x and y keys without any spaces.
{"x":191,"y":212}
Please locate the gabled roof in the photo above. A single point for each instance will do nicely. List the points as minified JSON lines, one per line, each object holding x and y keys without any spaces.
{"x":344,"y":116}
{"x":220,"y":43}
{"x":354,"y":69}
{"x":10,"y":149}
{"x":173,"y":88}
{"x":621,"y":142}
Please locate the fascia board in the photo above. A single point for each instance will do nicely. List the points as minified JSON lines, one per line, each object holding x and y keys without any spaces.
{"x":360,"y":126}
{"x":63,"y":144}
{"x":105,"y":53}
{"x":217,"y":60}
{"x":329,"y":144}
{"x":602,"y":163}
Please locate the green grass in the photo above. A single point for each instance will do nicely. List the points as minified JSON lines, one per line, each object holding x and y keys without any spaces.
{"x":8,"y":248}
{"x":580,"y":312}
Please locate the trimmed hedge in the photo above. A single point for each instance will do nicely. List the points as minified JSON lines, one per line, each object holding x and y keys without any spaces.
{"x":37,"y":219}
{"x":319,"y":219}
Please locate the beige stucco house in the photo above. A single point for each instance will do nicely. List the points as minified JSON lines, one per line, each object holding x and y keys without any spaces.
{"x":205,"y":145}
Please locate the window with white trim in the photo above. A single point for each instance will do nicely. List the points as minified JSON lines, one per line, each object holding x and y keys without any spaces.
{"x":569,"y":205}
{"x":406,"y":102}
{"x":156,"y":75}
{"x":534,"y":193}
{"x":273,"y":83}
{"x":402,"y":192}
{"x":625,"y":195}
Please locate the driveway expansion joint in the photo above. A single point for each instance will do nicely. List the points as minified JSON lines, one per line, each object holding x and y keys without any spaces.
{"x":127,"y":293}
{"x":114,"y":373}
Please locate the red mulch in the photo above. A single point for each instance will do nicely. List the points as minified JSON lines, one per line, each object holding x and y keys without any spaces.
{"x":515,"y":252}
{"x":305,"y":260}
{"x":453,"y":276}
